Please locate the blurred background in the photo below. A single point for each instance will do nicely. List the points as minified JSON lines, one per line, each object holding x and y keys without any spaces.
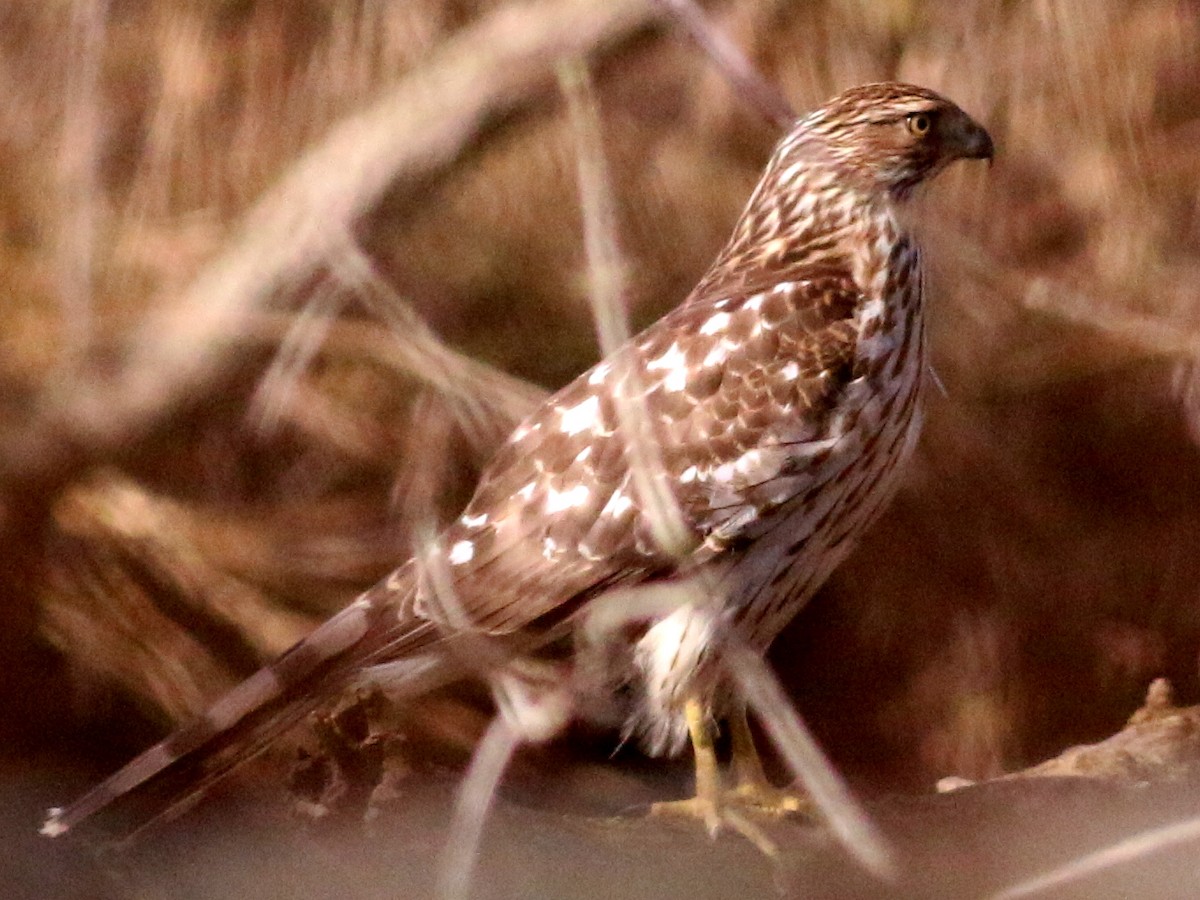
{"x":277,"y":276}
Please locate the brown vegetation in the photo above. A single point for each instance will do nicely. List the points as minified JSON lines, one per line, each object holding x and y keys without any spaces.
{"x":235,"y":235}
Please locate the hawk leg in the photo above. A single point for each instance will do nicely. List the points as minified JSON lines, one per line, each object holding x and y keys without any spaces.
{"x":752,"y":788}
{"x":713,"y":804}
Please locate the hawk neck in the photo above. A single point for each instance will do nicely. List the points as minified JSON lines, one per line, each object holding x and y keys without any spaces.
{"x":804,"y":217}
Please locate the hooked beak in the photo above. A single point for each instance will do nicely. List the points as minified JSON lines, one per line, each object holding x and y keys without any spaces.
{"x":967,"y":139}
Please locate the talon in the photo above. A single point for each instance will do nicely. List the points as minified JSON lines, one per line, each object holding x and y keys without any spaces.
{"x":769,"y":800}
{"x":691,"y":808}
{"x":753,"y":789}
{"x":717,"y":806}
{"x":714,"y":816}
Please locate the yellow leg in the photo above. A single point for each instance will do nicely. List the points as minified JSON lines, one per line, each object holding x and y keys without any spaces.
{"x":752,"y":787}
{"x":708,"y":775}
{"x":705,"y":805}
{"x":710,"y":803}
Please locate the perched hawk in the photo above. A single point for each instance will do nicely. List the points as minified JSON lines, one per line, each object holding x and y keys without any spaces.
{"x":781,"y":397}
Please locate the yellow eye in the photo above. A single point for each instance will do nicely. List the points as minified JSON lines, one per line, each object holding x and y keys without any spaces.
{"x":919,"y":123}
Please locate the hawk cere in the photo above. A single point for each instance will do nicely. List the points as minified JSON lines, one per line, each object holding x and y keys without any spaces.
{"x":783,"y":396}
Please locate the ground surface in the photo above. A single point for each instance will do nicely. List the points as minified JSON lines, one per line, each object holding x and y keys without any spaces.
{"x":224,"y":228}
{"x":971,"y":843}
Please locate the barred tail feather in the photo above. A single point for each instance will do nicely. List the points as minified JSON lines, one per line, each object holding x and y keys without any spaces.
{"x":240,"y":725}
{"x":197,"y":755}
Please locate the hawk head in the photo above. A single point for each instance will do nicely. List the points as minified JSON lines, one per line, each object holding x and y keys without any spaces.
{"x":839,"y":167}
{"x":891,"y":136}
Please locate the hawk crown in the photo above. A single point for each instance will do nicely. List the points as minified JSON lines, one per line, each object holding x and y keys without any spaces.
{"x":888,"y":135}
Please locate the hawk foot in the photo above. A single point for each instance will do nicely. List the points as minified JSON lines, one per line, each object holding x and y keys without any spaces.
{"x":753,"y":795}
{"x":764,"y":798}
{"x":729,"y":810}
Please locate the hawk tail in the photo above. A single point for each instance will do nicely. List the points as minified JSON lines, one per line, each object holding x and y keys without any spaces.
{"x":243,"y":723}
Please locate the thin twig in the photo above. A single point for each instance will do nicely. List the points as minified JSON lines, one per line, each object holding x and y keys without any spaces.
{"x":1137,"y":846}
{"x":476,"y":391}
{"x":475,"y":797}
{"x":747,"y":81}
{"x":78,"y":157}
{"x":419,"y":356}
{"x":848,"y":821}
{"x":607,"y":295}
{"x":414,"y":132}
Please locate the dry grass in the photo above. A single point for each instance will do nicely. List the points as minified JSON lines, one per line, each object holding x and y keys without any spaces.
{"x":197,"y":464}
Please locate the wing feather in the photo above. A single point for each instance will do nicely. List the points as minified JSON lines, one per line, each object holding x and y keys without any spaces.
{"x":734,"y":387}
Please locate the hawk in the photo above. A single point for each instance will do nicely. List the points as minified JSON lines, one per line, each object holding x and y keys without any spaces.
{"x":782,"y":398}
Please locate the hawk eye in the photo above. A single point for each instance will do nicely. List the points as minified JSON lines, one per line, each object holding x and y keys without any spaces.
{"x":919,"y":123}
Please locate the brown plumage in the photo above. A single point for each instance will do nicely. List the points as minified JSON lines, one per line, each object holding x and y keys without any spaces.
{"x":783,"y":396}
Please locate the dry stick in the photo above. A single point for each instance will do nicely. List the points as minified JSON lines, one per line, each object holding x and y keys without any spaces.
{"x":420,"y":356}
{"x":475,"y":797}
{"x":1137,"y":846}
{"x":607,"y":288}
{"x":300,"y":345}
{"x":422,"y":479}
{"x":78,"y":156}
{"x":1145,"y":334}
{"x":740,"y":72}
{"x":643,"y":454}
{"x":1154,"y":335}
{"x":847,"y":819}
{"x":414,"y":131}
{"x":520,"y":718}
{"x":758,"y":685}
{"x":504,"y":735}
{"x":476,"y":406}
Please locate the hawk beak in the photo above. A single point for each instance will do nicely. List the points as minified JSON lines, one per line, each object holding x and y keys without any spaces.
{"x":970,"y":140}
